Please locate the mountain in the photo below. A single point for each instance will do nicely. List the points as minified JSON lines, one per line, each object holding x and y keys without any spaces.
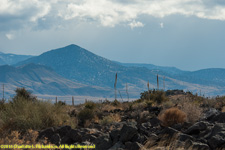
{"x":43,"y":80}
{"x":10,"y":59}
{"x":80,"y":65}
{"x":210,"y":76}
{"x":167,"y":70}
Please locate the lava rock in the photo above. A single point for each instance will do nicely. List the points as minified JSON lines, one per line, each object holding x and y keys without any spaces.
{"x":48,"y":133}
{"x":63,"y":131}
{"x":127,"y":132}
{"x":55,"y":139}
{"x":197,"y":128}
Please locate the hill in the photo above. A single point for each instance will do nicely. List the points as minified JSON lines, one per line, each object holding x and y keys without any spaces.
{"x":43,"y":80}
{"x":80,"y":65}
{"x":10,"y":59}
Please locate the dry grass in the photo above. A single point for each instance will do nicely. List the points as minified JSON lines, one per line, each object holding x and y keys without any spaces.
{"x":223,"y":109}
{"x":172,"y":116}
{"x":27,"y":139}
{"x":109,"y":107}
{"x":165,"y":143}
{"x":22,"y":115}
{"x":192,"y":110}
{"x":110,"y":119}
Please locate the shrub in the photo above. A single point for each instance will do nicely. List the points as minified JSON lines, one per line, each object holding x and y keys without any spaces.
{"x":22,"y":115}
{"x":192,"y":110}
{"x":23,"y":94}
{"x":110,"y":119}
{"x":106,"y":120}
{"x":90,"y":105}
{"x":84,"y":115}
{"x":172,"y":116}
{"x":60,"y":103}
{"x":115,"y":103}
{"x":157,"y":96}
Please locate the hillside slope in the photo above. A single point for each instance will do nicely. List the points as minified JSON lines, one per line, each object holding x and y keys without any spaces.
{"x":80,"y":65}
{"x":43,"y":80}
{"x":10,"y":59}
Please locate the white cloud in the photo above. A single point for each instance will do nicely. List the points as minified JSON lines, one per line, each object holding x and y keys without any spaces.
{"x":10,"y":36}
{"x":161,"y":25}
{"x":111,"y":13}
{"x":108,"y":13}
{"x":135,"y":24}
{"x":21,"y":13}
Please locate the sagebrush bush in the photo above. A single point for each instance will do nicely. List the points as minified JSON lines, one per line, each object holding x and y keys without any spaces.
{"x":110,"y":119}
{"x":90,"y":105}
{"x":85,"y":115}
{"x":192,"y":110}
{"x":22,"y":115}
{"x":115,"y":103}
{"x":106,"y":120}
{"x":172,"y":116}
{"x":23,"y":94}
{"x":157,"y":96}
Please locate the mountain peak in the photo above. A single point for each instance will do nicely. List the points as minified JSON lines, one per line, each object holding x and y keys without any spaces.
{"x":72,"y":46}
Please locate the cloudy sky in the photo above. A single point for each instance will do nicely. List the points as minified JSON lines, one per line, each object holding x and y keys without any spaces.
{"x":188,"y":34}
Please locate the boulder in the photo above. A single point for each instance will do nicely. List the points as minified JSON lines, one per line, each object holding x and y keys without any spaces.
{"x":217,"y":141}
{"x":144,"y":128}
{"x":67,"y":140}
{"x":177,"y":126}
{"x":63,"y":131}
{"x":184,"y":137}
{"x":210,"y":114}
{"x":197,"y":128}
{"x":196,"y":145}
{"x":55,"y":139}
{"x":220,"y":118}
{"x":48,"y":133}
{"x":103,"y":142}
{"x":154,"y":110}
{"x":217,"y":136}
{"x":168,"y":131}
{"x":154,"y":122}
{"x":134,"y":146}
{"x":115,"y":135}
{"x":75,"y":135}
{"x":89,"y":137}
{"x":118,"y":145}
{"x":127,"y":132}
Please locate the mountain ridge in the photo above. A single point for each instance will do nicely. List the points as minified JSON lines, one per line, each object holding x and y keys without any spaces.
{"x":43,"y":80}
{"x":80,"y":65}
{"x":11,"y":59}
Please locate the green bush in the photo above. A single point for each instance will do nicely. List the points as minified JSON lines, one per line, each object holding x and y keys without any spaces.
{"x":23,"y":114}
{"x":23,"y":94}
{"x":115,"y":103}
{"x":106,"y":120}
{"x":60,"y":103}
{"x":157,"y":96}
{"x":90,"y":105}
{"x":84,"y":115}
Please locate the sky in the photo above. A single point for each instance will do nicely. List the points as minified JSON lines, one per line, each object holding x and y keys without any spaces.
{"x":187,"y":34}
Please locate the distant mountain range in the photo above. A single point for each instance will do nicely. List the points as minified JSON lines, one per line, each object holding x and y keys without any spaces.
{"x":72,"y":70}
{"x":10,"y":59}
{"x":43,"y":80}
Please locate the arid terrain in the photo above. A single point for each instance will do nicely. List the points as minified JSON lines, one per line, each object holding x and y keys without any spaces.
{"x":158,"y":120}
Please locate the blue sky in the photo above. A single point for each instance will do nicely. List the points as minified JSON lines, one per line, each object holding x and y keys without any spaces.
{"x":187,"y":34}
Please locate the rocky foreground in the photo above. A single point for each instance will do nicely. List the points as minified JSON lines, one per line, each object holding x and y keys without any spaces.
{"x":208,"y":133}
